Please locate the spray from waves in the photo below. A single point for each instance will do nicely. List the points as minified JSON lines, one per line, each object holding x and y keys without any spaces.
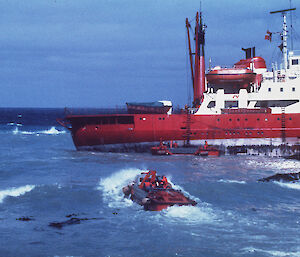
{"x":112,"y":187}
{"x":14,"y":124}
{"x":288,"y":185}
{"x":51,"y":131}
{"x":15,"y":192}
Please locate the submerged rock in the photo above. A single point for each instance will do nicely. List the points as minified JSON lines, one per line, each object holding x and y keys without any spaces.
{"x":71,"y":221}
{"x":286,"y":177}
{"x":25,"y":218}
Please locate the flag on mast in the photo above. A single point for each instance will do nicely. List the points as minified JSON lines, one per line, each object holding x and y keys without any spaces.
{"x":268,"y":36}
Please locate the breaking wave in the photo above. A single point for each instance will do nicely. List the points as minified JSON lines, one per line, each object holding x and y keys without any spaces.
{"x":51,"y":131}
{"x":231,"y":181}
{"x":288,"y":185}
{"x":271,"y":252}
{"x":15,"y":192}
{"x":112,"y":187}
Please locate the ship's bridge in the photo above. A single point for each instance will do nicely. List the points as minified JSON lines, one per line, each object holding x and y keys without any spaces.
{"x":294,"y":63}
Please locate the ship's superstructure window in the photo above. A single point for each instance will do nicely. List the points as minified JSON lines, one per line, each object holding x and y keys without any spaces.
{"x":293,"y":89}
{"x":295,"y":62}
{"x":269,"y":89}
{"x":281,"y":89}
{"x":106,"y":120}
{"x":211,"y":104}
{"x":231,"y":104}
{"x":275,"y":103}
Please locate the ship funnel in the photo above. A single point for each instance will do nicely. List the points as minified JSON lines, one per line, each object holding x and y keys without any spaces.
{"x":250,"y":52}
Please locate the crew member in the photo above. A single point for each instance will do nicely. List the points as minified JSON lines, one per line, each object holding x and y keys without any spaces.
{"x":147,"y":185}
{"x":164,"y":182}
{"x":205,"y":145}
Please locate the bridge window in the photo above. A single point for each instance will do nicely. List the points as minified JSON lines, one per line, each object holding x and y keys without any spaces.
{"x":211,"y":104}
{"x":230,"y":104}
{"x":295,"y":62}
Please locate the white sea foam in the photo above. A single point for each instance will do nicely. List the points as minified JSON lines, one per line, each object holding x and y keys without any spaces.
{"x":112,"y":187}
{"x":272,"y":252}
{"x":15,"y":191}
{"x":51,"y":131}
{"x":191,"y":214}
{"x":288,"y":185}
{"x":231,"y":181}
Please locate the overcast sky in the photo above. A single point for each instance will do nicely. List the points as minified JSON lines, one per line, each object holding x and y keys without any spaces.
{"x":101,"y":53}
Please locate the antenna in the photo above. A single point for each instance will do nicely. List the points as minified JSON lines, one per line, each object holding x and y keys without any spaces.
{"x":284,"y":35}
{"x":283,"y":11}
{"x":291,"y":32}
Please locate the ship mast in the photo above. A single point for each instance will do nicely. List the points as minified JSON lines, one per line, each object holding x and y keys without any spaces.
{"x":198,"y":73}
{"x":284,"y":36}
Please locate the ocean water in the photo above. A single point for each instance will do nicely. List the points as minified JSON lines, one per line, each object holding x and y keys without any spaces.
{"x":44,"y":180}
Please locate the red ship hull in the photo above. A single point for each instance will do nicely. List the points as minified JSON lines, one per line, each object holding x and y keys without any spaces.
{"x":97,"y":130}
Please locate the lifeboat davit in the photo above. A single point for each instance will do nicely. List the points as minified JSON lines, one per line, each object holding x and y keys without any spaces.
{"x":155,"y":193}
{"x":242,"y":74}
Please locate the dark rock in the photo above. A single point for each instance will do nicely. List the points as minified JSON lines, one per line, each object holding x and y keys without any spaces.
{"x":60,"y":225}
{"x":71,"y":221}
{"x":25,"y":218}
{"x":285,"y":177}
